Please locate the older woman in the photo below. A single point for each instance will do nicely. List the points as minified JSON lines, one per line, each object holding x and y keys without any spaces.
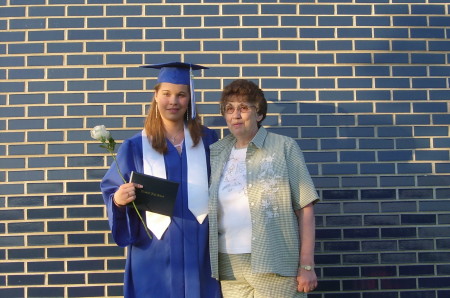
{"x":261,"y":215}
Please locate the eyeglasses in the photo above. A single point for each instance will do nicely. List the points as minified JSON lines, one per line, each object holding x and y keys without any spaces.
{"x":242,"y":108}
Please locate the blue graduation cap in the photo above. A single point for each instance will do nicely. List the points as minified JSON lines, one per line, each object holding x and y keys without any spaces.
{"x":178,"y":73}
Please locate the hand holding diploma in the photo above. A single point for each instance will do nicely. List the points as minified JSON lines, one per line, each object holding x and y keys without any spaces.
{"x":125,"y":194}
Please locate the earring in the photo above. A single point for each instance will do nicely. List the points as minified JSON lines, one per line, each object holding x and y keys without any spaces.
{"x":156,"y":110}
{"x":187,"y":116}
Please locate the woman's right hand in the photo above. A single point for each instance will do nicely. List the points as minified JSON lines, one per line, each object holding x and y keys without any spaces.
{"x":125,"y":194}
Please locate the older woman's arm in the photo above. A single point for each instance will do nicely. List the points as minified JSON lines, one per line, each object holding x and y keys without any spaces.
{"x":307,"y":279}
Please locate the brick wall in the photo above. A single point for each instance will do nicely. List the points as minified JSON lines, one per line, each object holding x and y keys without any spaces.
{"x":362,"y":85}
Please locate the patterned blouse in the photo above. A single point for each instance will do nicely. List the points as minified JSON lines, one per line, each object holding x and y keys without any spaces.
{"x":278,"y":183}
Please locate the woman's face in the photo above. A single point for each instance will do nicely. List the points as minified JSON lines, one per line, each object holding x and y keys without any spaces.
{"x":242,"y":118}
{"x":172,"y":101}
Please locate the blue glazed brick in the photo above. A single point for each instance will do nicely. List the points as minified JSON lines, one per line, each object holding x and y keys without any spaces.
{"x":431,"y":131}
{"x":163,"y":34}
{"x":392,"y":83}
{"x":412,"y":119}
{"x":221,"y":21}
{"x":123,"y":59}
{"x":441,"y":118}
{"x":429,"y":83}
{"x":296,"y":120}
{"x":373,"y":21}
{"x":12,"y":12}
{"x":200,"y":34}
{"x":297,"y":45}
{"x":339,"y":169}
{"x":337,"y":45}
{"x":372,"y":45}
{"x":390,"y":33}
{"x":278,"y":58}
{"x":354,"y":33}
{"x":240,"y":59}
{"x":317,"y":32}
{"x":254,"y":71}
{"x":427,"y":9}
{"x":391,"y":9}
{"x":26,"y":74}
{"x":393,"y":107}
{"x":278,"y":9}
{"x":240,"y":33}
{"x":241,"y":9}
{"x":344,"y":143}
{"x":65,"y":123}
{"x":85,"y":85}
{"x":409,"y":71}
{"x":278,"y":32}
{"x":354,"y":83}
{"x":128,"y":10}
{"x":315,"y":132}
{"x":390,"y":58}
{"x":12,"y":61}
{"x":297,"y":71}
{"x":354,"y":9}
{"x":335,"y":95}
{"x":183,"y":21}
{"x":439,"y":94}
{"x":395,"y":131}
{"x":378,"y":168}
{"x":319,"y":108}
{"x":47,"y":11}
{"x":161,"y":9}
{"x":84,"y":110}
{"x":48,"y":136}
{"x":361,"y":156}
{"x":375,"y":120}
{"x":338,"y":71}
{"x":316,"y":9}
{"x":355,"y":108}
{"x":65,"y":73}
{"x":144,"y":22}
{"x":221,"y":46}
{"x":442,"y":168}
{"x":45,"y":86}
{"x":12,"y":87}
{"x":33,"y":188}
{"x":439,"y":21}
{"x":336,"y":120}
{"x":439,"y":70}
{"x":44,"y":60}
{"x":26,"y":24}
{"x":278,"y":83}
{"x":430,"y":107}
{"x":36,"y":111}
{"x":103,"y":22}
{"x":376,"y":143}
{"x":260,"y":21}
{"x":359,"y":181}
{"x":124,"y":85}
{"x":298,"y":21}
{"x":409,"y":21}
{"x":24,"y":175}
{"x":65,"y":47}
{"x":85,"y":34}
{"x":104,"y":72}
{"x":335,"y":21}
{"x":353,"y":58}
{"x":372,"y":71}
{"x":201,"y":9}
{"x":298,"y":95}
{"x":317,"y":83}
{"x":399,"y":155}
{"x":408,"y":168}
{"x":26,"y":124}
{"x":175,"y":46}
{"x":427,"y":33}
{"x":12,"y":36}
{"x":87,"y":10}
{"x":124,"y":34}
{"x":66,"y":98}
{"x":65,"y":22}
{"x":409,"y":45}
{"x":28,"y":48}
{"x":142,"y":46}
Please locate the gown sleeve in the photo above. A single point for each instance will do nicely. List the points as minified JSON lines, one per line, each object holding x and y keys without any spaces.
{"x":123,"y":222}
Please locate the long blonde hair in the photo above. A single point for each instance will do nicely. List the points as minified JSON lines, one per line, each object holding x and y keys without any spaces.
{"x":154,"y":126}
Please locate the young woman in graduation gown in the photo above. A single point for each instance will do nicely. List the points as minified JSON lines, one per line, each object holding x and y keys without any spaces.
{"x":173,"y":145}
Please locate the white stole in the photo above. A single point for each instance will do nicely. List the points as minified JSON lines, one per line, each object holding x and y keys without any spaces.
{"x":197,"y":175}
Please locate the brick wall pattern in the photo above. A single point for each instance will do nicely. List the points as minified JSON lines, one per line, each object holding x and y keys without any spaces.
{"x":362,"y":85}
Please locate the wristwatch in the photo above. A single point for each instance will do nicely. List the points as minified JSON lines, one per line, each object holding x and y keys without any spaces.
{"x":307,"y":267}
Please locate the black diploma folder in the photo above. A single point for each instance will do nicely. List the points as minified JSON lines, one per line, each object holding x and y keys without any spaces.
{"x":158,"y":195}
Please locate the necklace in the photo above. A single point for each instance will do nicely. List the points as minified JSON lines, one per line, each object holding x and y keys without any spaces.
{"x":174,"y":138}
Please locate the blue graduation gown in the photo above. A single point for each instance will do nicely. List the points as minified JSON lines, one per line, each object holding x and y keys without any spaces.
{"x":178,"y":264}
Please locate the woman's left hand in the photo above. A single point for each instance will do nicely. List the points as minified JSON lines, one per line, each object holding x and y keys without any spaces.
{"x":307,"y":280}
